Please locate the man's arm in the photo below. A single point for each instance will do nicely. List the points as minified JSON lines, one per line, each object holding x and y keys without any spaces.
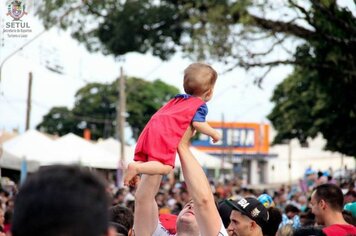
{"x":205,"y":210}
{"x":205,"y":128}
{"x":146,"y":209}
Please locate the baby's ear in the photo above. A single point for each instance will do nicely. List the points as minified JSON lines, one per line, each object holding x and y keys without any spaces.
{"x":209,"y":93}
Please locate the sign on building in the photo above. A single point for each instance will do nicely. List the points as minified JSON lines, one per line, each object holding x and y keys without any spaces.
{"x":237,"y":138}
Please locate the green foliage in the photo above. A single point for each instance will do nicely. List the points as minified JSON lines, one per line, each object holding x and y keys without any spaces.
{"x":144,"y":99}
{"x":95,"y":108}
{"x":296,"y":100}
{"x":319,"y":97}
{"x":139,"y":26}
{"x":59,"y":120}
{"x":118,"y":27}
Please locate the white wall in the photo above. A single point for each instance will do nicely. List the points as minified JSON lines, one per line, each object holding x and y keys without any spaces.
{"x":301,"y":158}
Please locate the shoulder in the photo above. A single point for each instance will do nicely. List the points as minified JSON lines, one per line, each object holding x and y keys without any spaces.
{"x":339,"y":229}
{"x":183,"y":95}
{"x":161,"y":231}
{"x":203,"y":109}
{"x":222,"y":231}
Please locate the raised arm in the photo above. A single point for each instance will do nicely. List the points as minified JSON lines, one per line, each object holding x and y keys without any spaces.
{"x":205,"y":128}
{"x":146,"y":209}
{"x":205,"y":210}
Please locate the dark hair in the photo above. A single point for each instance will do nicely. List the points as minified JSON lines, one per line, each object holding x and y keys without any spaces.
{"x":120,"y":229}
{"x":348,"y":217}
{"x":8,"y":217}
{"x":275,"y":218}
{"x":331,"y":194}
{"x":122,"y":215}
{"x":307,"y":218}
{"x":61,"y":200}
{"x":309,"y":231}
{"x":351,"y":193}
{"x":291,"y":208}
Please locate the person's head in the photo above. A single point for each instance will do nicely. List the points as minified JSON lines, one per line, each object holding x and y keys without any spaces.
{"x":120,"y":229}
{"x":119,"y":196}
{"x":248,"y":217}
{"x":184,"y":196}
{"x":326,"y":198}
{"x":122,"y":215}
{"x":186,"y":219}
{"x":275,"y":219}
{"x":350,"y":197}
{"x":199,"y":80}
{"x":348,"y":217}
{"x":224,"y":212}
{"x":61,"y":200}
{"x":307,"y":218}
{"x":291,"y":211}
{"x":285,"y":230}
{"x":351,"y":207}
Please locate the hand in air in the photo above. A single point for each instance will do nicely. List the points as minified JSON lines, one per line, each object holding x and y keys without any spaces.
{"x":216,"y":137}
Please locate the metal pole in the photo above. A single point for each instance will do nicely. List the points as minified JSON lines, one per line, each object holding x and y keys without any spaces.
{"x":122,"y":115}
{"x":29,"y":96}
{"x":224,"y":144}
{"x":290,"y":162}
{"x":120,"y":129}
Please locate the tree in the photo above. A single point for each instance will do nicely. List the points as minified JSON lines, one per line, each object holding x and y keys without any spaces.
{"x":317,"y":37}
{"x":60,"y":121}
{"x":95,"y":105}
{"x":304,"y":108}
{"x":319,"y":96}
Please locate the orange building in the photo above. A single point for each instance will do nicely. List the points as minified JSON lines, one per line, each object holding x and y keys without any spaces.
{"x":246,"y":145}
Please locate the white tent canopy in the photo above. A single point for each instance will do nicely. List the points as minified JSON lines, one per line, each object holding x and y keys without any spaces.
{"x":10,"y":161}
{"x":39,"y":150}
{"x":113,"y":146}
{"x":205,"y":160}
{"x":85,"y":153}
{"x":33,"y":146}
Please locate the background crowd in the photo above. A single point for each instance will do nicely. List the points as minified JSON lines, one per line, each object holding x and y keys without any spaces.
{"x":293,"y":201}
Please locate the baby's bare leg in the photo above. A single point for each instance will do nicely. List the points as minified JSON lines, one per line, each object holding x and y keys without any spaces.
{"x":131,"y":172}
{"x":149,"y":168}
{"x":154,"y":168}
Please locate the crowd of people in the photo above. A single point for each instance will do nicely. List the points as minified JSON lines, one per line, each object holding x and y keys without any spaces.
{"x":67,"y":200}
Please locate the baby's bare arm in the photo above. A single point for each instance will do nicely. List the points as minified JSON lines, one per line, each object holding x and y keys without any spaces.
{"x":205,"y":128}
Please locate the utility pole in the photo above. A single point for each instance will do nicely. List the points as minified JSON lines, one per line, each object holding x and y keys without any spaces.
{"x":290,"y":161}
{"x":224,"y":138}
{"x":122,"y":115}
{"x":29,"y":96}
{"x":120,"y":122}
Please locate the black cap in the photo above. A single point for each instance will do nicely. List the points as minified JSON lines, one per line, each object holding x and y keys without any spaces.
{"x":224,"y":212}
{"x":251,"y":208}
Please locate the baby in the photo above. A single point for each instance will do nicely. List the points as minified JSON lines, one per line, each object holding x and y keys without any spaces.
{"x":156,"y":147}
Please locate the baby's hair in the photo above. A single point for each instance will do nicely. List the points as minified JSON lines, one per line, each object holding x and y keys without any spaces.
{"x":199,"y":78}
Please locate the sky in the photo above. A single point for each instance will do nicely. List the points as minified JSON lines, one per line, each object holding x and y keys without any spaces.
{"x":236,"y":98}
